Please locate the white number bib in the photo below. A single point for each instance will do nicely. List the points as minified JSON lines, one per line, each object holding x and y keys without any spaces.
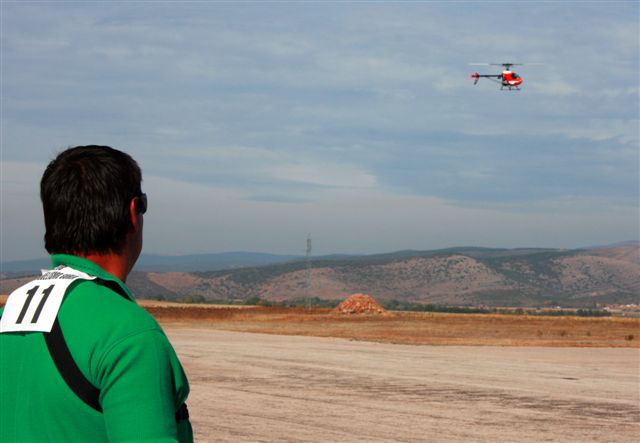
{"x":34,"y":306}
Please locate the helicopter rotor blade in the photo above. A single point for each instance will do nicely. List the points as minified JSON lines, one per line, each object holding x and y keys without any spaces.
{"x":504,"y":64}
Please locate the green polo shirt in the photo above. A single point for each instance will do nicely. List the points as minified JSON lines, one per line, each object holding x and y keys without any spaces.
{"x":119,"y":348}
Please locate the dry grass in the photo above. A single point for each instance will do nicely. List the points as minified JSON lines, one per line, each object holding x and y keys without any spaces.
{"x":412,"y":328}
{"x":408,"y":327}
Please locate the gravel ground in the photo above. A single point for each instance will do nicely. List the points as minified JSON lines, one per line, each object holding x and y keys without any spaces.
{"x":258,"y":387}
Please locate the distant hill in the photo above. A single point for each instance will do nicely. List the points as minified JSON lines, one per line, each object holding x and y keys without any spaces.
{"x":23,"y":267}
{"x":165,"y":263}
{"x":463,"y":276}
{"x":455,"y":276}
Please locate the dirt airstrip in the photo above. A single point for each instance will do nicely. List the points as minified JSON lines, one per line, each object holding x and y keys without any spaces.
{"x":275,"y":374}
{"x":320,"y":376}
{"x":410,"y":327}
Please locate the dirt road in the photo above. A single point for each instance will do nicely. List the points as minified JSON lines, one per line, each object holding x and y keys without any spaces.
{"x":257,"y":387}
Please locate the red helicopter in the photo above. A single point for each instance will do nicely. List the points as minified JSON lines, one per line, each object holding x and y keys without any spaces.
{"x":508,"y":79}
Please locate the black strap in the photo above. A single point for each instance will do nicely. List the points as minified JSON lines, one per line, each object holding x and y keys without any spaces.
{"x":183,"y":413}
{"x":113,"y":285}
{"x":67,"y":366}
{"x":69,"y":370}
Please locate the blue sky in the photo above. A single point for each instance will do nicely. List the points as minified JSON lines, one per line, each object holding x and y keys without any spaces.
{"x":256,"y":123}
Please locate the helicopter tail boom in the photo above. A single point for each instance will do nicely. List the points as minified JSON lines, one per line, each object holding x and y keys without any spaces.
{"x":475,"y":77}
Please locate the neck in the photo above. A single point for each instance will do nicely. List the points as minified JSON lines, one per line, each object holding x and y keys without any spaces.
{"x":114,"y":264}
{"x":120,"y":264}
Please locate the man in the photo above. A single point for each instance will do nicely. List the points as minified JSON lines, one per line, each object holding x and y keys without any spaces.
{"x":80,"y":361}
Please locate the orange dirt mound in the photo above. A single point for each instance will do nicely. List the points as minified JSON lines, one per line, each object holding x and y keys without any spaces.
{"x":360,"y":304}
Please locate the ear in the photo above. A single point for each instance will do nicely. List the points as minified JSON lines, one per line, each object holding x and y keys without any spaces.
{"x":134,"y":215}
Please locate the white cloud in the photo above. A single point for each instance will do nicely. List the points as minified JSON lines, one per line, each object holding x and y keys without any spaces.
{"x":186,"y":218}
{"x":555,"y":87}
{"x":20,"y":179}
{"x":190,"y":218}
{"x":21,"y":223}
{"x":324,"y":174}
{"x":298,"y":115}
{"x":599,"y":129}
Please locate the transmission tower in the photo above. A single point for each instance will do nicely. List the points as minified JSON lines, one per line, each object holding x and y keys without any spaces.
{"x":308,"y":274}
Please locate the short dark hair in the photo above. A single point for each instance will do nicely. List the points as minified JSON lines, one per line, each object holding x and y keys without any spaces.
{"x":85,"y":192}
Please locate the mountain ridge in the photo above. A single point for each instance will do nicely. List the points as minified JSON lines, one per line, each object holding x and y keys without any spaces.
{"x":454,"y":276}
{"x":461,"y":276}
{"x":232,"y":259}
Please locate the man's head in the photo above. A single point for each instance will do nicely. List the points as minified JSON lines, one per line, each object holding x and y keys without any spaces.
{"x":92,"y":201}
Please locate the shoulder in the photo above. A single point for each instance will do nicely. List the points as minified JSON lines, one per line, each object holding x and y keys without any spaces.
{"x":98,"y":313}
{"x":95,"y":319}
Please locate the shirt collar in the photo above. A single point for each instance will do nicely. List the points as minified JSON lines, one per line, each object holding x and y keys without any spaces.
{"x":87,"y":266}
